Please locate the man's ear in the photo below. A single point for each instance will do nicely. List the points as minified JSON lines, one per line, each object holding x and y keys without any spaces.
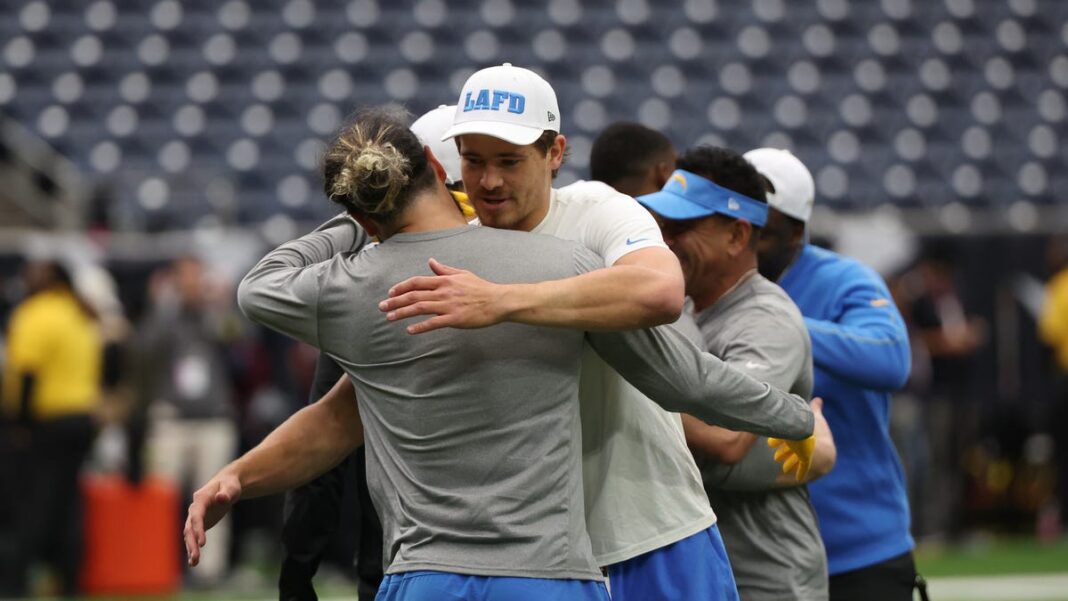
{"x":435,"y":164}
{"x":556,"y":152}
{"x":797,"y":233}
{"x":662,"y":173}
{"x":741,"y":233}
{"x":367,"y":224}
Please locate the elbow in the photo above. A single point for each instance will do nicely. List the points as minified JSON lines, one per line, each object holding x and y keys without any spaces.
{"x":663,"y":302}
{"x":901,"y":377}
{"x":887,"y":371}
{"x":896,"y":372}
{"x":247,"y":293}
{"x":823,"y":462}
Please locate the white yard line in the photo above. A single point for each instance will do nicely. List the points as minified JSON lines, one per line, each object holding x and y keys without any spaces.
{"x":1038,"y":587}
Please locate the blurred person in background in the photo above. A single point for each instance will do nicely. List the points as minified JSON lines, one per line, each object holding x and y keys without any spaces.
{"x":946,"y":339}
{"x":632,"y":158}
{"x":711,"y":212}
{"x":51,"y":390}
{"x":315,"y":510}
{"x":860,"y":352}
{"x":1053,"y":329}
{"x":182,"y":389}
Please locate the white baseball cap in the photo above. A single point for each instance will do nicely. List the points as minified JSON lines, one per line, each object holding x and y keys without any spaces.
{"x":795,"y":190}
{"x":429,"y":129}
{"x":506,"y":102}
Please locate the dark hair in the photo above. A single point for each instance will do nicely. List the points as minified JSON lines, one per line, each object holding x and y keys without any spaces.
{"x":728,"y":169}
{"x":627,"y":150}
{"x":376,"y":164}
{"x":545,"y":141}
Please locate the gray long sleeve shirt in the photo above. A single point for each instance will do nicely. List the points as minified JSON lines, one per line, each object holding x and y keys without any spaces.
{"x":771,"y":534}
{"x":473,"y":451}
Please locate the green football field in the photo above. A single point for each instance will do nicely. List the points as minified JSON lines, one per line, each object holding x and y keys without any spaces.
{"x":993,"y":570}
{"x":1004,"y":570}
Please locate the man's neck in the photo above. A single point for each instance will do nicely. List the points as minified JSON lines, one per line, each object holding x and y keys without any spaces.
{"x":719,"y":285}
{"x":793,"y":261}
{"x":430,"y":211}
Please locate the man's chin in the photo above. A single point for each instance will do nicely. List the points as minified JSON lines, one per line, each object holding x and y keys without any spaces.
{"x":496,"y":219}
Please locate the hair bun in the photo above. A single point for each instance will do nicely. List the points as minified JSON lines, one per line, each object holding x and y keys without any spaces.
{"x":373,"y":164}
{"x":381,"y":166}
{"x":374,"y":172}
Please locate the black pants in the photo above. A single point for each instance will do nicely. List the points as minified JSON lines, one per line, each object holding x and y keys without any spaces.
{"x":332,"y":511}
{"x":314,"y":521}
{"x":48,"y":515}
{"x":891,"y":580}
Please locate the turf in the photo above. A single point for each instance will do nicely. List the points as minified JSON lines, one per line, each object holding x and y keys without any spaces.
{"x":996,"y":557}
{"x":993,"y":557}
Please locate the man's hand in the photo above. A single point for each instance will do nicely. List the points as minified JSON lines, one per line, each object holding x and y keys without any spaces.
{"x":210,"y":504}
{"x":457,"y":299}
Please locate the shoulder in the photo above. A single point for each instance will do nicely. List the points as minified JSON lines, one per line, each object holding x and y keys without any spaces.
{"x":535,"y":246}
{"x":762,"y":314}
{"x":839,"y":268}
{"x":594,"y":197}
{"x":772,"y":300}
{"x":589,"y":192}
{"x":41,"y":308}
{"x":46,"y":313}
{"x":1059,"y":282}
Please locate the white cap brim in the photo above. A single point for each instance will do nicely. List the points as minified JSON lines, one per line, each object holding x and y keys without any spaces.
{"x":520,"y":135}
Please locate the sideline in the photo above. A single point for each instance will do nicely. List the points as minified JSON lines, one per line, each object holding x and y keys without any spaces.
{"x":1033,"y":587}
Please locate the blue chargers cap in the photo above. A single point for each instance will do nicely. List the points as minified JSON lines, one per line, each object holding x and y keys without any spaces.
{"x":687,"y":195}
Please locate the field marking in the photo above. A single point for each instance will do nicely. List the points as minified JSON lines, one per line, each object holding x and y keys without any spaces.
{"x":1036,"y":587}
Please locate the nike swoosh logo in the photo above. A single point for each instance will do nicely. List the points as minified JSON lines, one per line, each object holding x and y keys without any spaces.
{"x":629,"y":241}
{"x":755,"y":365}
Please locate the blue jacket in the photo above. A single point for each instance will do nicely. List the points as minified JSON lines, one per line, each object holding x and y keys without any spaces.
{"x":860,"y":351}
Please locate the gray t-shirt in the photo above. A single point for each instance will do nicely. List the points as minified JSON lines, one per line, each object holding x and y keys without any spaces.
{"x":771,"y":534}
{"x":472,"y":434}
{"x":473,"y":440}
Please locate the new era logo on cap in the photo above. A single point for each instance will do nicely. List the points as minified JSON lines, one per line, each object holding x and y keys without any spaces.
{"x":510,"y":103}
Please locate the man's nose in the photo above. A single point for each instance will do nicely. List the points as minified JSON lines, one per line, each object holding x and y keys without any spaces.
{"x":491,"y":178}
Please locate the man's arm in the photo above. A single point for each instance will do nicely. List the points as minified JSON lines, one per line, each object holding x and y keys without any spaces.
{"x":772,"y":347}
{"x":758,"y":470}
{"x":723,"y":446}
{"x":307,"y":444}
{"x":282,"y":290}
{"x":642,"y":289}
{"x":665,"y":366}
{"x":867,"y":343}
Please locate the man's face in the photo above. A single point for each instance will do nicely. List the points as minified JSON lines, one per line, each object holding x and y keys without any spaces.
{"x":189,"y":281}
{"x":778,"y":245}
{"x":701,"y":245}
{"x":508,"y":185}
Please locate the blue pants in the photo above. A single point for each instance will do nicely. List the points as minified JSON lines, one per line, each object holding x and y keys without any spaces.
{"x":693,"y":569}
{"x":443,"y":586}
